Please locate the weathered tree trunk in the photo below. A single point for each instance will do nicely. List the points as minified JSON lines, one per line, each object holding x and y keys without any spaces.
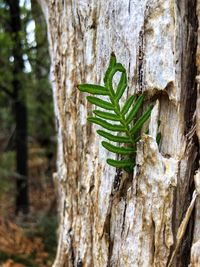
{"x":136,"y":222}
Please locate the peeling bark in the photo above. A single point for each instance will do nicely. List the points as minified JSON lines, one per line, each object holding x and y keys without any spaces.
{"x":108,"y":219}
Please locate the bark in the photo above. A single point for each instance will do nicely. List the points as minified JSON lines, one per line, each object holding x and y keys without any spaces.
{"x":22,"y":202}
{"x":128,"y":220}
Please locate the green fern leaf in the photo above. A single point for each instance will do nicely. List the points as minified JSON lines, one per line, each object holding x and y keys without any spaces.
{"x":106,"y":115}
{"x":128,"y":104}
{"x":135,"y":109}
{"x":115,"y":138}
{"x":100,"y":103}
{"x":121,"y":86}
{"x":139,"y":123}
{"x":112,"y":63}
{"x":158,"y":138}
{"x":120,"y":163}
{"x":93,"y":89}
{"x":106,"y":125}
{"x":118,"y":150}
{"x":109,"y":79}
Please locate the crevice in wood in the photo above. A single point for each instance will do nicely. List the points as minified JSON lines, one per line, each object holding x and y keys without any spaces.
{"x":188,"y":98}
{"x":189,"y":65}
{"x":187,"y":243}
{"x":173,"y":221}
{"x":141,"y":61}
{"x":124,"y":219}
{"x":107,"y":234}
{"x":153,"y":241}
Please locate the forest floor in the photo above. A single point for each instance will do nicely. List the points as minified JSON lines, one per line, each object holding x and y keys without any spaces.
{"x":28,"y":241}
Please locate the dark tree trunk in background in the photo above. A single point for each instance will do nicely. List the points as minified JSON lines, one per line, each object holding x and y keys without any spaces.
{"x":22,"y":203}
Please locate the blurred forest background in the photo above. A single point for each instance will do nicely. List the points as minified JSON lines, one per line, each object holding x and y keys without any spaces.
{"x":28,"y":219}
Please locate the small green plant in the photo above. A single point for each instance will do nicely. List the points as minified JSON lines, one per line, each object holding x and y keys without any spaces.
{"x":124,"y":116}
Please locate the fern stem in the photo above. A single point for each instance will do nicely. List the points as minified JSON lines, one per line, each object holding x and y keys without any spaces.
{"x":114,"y":100}
{"x":123,"y":120}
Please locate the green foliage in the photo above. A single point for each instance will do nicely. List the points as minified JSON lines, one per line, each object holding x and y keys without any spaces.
{"x":7,"y":163}
{"x":126,"y":126}
{"x":38,"y":88}
{"x":35,"y":88}
{"x":7,"y":160}
{"x":20,"y":260}
{"x":47,"y":231}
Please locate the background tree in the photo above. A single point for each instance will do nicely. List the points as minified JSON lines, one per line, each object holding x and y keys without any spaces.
{"x":135,"y":224}
{"x":25,"y":91}
{"x":37,"y":244}
{"x":19,"y":104}
{"x":42,"y":103}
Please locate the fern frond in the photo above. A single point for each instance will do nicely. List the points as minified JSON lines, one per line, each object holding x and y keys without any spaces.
{"x":125,"y":116}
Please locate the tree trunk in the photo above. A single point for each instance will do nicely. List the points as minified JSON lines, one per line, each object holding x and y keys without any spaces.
{"x":22,"y":203}
{"x":107,"y":219}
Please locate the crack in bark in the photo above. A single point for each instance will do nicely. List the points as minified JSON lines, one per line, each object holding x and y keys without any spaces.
{"x":124,"y":219}
{"x":190,"y":96}
{"x":141,"y":60}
